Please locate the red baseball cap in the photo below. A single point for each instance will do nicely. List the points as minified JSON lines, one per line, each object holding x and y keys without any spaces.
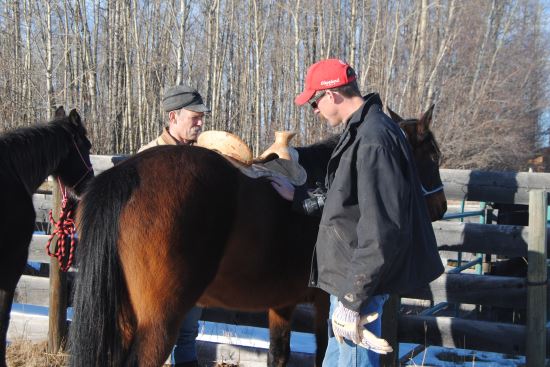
{"x":325,"y":74}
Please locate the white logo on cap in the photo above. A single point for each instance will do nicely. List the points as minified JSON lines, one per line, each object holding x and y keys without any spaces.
{"x":329,"y":82}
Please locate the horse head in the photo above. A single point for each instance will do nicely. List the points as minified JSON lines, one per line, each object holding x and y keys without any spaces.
{"x":75,"y":169}
{"x":427,"y":157}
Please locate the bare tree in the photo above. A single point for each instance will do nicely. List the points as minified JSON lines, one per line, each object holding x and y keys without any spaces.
{"x":113,"y":59}
{"x":49,"y":56}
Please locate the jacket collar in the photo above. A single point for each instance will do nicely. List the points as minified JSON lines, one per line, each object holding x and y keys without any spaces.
{"x":358,"y":116}
{"x":372,"y":99}
{"x":170,"y":140}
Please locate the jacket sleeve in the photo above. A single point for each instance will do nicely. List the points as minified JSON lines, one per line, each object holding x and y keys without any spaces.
{"x":383,"y":195}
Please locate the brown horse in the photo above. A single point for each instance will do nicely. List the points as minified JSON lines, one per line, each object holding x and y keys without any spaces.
{"x":426,"y":155}
{"x":27,"y":157}
{"x":155,"y":240}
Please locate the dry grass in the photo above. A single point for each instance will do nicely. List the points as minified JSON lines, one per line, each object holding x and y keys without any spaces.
{"x":22,"y":353}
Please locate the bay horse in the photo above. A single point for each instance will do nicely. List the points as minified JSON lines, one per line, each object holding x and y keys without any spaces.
{"x":178,"y":225}
{"x":27,"y":157}
{"x":427,"y":158}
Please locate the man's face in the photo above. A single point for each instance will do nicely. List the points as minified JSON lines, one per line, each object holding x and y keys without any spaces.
{"x":323,"y":105}
{"x":185,"y":125}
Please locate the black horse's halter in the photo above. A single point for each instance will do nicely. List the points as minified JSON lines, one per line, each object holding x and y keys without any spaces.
{"x":89,"y":168}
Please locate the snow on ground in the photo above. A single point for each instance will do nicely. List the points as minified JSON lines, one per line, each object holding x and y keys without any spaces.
{"x":255,"y":338}
{"x":449,"y":357}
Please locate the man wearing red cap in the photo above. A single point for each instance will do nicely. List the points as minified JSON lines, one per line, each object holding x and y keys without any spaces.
{"x":375,"y":235}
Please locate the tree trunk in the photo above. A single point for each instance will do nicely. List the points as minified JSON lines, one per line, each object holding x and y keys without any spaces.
{"x":49,"y":51}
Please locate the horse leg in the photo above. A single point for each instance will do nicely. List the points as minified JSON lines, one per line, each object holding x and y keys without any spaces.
{"x":161,"y":294}
{"x":322,"y":307}
{"x":7,"y":291}
{"x":164,"y":285}
{"x":153,"y":341}
{"x":14,"y":246}
{"x":279,"y":336}
{"x":159,"y":311}
{"x":6,"y":299}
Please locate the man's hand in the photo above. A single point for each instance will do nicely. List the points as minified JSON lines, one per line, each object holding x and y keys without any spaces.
{"x":349,"y":324}
{"x":283,"y":186}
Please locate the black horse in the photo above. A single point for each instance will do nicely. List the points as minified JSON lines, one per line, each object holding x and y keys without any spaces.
{"x":27,"y":157}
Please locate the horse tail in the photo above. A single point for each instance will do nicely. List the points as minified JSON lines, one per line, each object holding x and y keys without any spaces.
{"x":102,"y":314}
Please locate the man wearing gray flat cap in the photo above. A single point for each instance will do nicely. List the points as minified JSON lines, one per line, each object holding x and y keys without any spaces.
{"x":186,"y":110}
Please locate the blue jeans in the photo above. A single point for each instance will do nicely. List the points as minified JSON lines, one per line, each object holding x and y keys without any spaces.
{"x":349,"y":354}
{"x":185,"y":349}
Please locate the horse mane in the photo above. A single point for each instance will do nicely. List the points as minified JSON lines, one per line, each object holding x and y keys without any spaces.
{"x":31,"y":152}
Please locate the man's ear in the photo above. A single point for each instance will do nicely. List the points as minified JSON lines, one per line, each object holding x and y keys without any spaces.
{"x":171,"y":116}
{"x":335,"y":97}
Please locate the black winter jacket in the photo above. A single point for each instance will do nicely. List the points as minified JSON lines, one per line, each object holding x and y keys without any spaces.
{"x":375,"y":235}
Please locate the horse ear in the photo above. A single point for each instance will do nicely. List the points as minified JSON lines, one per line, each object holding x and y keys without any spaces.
{"x":425,"y":120}
{"x":60,"y":112}
{"x":394,"y":116}
{"x":74,"y":118}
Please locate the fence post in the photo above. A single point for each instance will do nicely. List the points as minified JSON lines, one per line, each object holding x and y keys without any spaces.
{"x":536,"y":279}
{"x":390,"y":314}
{"x":57,"y":330}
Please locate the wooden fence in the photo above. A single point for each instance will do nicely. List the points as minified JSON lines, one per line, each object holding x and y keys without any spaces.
{"x":511,"y":292}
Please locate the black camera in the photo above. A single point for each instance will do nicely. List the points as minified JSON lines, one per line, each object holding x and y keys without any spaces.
{"x":314,"y":205}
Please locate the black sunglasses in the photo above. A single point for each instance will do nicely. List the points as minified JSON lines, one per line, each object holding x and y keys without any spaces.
{"x":314,"y":100}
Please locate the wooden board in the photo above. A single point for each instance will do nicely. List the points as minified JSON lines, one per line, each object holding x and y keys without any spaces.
{"x":459,"y":333}
{"x":37,"y":249}
{"x":485,"y":238}
{"x":499,"y":187}
{"x":508,"y":292}
{"x":32,"y":290}
{"x":450,"y":236}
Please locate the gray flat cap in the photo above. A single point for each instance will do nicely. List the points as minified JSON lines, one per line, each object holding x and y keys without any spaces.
{"x":183,"y":96}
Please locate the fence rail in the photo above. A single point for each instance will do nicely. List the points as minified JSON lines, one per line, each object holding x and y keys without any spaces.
{"x":453,"y":332}
{"x":498,"y":187}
